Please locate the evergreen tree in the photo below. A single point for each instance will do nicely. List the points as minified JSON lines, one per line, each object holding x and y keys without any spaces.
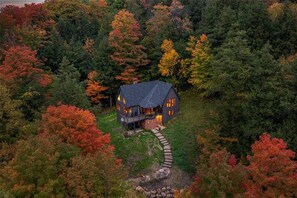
{"x":67,"y":89}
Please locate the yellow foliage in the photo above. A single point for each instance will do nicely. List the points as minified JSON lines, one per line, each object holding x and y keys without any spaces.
{"x":169,"y":59}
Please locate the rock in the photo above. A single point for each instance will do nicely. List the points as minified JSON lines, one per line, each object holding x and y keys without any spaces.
{"x":148,"y":193}
{"x":153,"y":192}
{"x":163,"y":194}
{"x":164,"y":189}
{"x":168,"y":188}
{"x":168,"y":195}
{"x":139,"y":189}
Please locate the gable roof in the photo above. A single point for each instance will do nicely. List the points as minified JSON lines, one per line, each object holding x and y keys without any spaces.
{"x":147,"y":94}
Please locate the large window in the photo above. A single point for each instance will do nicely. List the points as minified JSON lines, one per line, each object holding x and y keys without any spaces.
{"x":124,"y":100}
{"x":171,"y":102}
{"x":119,"y":98}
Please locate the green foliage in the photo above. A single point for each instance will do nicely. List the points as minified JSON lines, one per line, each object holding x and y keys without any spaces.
{"x":67,"y":89}
{"x":12,"y":123}
{"x":36,"y":167}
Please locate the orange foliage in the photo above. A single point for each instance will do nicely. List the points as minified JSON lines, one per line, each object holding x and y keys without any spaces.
{"x":75,"y":126}
{"x":20,"y":63}
{"x":94,"y":88}
{"x":272,"y":169}
{"x":124,"y":38}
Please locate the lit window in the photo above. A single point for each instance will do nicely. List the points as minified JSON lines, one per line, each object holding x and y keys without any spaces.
{"x":124,"y":101}
{"x":130,"y":110}
{"x":173,"y":102}
{"x":125,"y":110}
{"x":119,"y":98}
{"x":118,"y":107}
{"x":170,"y":112}
{"x":168,"y":103}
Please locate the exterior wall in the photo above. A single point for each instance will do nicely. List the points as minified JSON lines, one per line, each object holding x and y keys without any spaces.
{"x":172,"y":94}
{"x":149,"y":124}
{"x":121,"y":108}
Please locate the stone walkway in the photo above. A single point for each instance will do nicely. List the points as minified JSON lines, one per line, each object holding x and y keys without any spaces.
{"x":168,"y":159}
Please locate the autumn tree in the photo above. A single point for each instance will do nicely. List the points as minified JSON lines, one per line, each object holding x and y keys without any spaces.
{"x":169,"y":60}
{"x":75,"y":126}
{"x":200,"y":68}
{"x":128,"y":53}
{"x":272,"y":169}
{"x":221,"y":176}
{"x":67,"y":87}
{"x":19,"y":65}
{"x":94,"y":88}
{"x":99,"y":175}
{"x":35,"y":170}
{"x":12,"y":123}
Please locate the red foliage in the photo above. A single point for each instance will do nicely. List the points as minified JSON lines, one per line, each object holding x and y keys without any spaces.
{"x":45,"y":80}
{"x":19,"y":62}
{"x":272,"y":169}
{"x":75,"y":126}
{"x":232,"y":161}
{"x":30,"y":14}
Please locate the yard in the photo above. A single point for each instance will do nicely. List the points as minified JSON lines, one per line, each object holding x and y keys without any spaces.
{"x":142,"y":151}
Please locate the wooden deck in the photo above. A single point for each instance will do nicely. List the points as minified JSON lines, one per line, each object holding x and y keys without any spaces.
{"x":129,"y":120}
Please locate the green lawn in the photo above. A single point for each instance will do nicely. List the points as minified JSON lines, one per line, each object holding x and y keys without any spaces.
{"x":140,"y":152}
{"x":195,"y":116}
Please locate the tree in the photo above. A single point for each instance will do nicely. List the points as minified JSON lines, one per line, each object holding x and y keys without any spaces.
{"x":75,"y":126}
{"x":200,"y":68}
{"x":221,"y":176}
{"x":272,"y":169}
{"x":169,"y":59}
{"x":124,"y":39}
{"x":19,"y":65}
{"x":67,"y":89}
{"x":12,"y":123}
{"x":158,"y":29}
{"x":96,"y":175}
{"x":94,"y":88}
{"x":36,"y":168}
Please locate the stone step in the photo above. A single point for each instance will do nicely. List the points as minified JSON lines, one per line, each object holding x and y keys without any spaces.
{"x":164,"y":142}
{"x":167,"y":150}
{"x":168,"y":158}
{"x":166,"y":166}
{"x":167,"y":147}
{"x":162,"y":139}
{"x":167,"y":155}
{"x":168,"y":161}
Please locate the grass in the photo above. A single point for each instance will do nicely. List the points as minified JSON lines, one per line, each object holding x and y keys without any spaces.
{"x":195,"y":116}
{"x":138,"y":152}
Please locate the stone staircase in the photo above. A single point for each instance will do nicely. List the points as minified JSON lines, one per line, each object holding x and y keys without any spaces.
{"x":168,"y":159}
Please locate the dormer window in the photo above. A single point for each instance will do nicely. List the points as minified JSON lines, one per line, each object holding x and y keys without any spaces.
{"x":119,"y":98}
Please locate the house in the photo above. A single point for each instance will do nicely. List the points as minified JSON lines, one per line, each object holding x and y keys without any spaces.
{"x":146,"y":104}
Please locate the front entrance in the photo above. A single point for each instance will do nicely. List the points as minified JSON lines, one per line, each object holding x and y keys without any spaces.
{"x":159,"y":119}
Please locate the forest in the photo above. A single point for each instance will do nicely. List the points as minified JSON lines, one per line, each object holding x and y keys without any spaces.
{"x":233,"y":62}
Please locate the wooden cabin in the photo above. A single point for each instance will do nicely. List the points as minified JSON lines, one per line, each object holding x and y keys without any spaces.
{"x":147,"y":104}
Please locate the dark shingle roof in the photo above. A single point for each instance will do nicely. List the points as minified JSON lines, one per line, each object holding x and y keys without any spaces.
{"x":147,"y":94}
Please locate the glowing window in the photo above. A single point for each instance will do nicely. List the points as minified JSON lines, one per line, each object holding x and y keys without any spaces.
{"x":173,"y":102}
{"x":118,"y":107}
{"x":130,"y":110}
{"x":168,"y":103}
{"x":119,"y":98}
{"x":125,"y":110}
{"x":124,"y":100}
